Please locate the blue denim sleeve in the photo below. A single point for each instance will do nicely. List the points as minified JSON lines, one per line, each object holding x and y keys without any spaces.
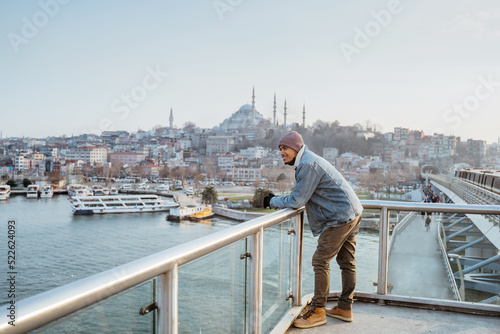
{"x":307,"y":180}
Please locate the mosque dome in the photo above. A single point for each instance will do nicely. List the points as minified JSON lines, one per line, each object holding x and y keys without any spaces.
{"x":242,"y":119}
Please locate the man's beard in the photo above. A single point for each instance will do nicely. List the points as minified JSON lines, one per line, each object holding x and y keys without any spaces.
{"x":291,"y":163}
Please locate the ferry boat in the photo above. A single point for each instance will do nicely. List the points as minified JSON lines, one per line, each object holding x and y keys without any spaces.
{"x":33,"y":191}
{"x":206,"y":213}
{"x":79,"y":190}
{"x":87,"y":205}
{"x":180,"y":213}
{"x":47,"y":192}
{"x":4,"y":191}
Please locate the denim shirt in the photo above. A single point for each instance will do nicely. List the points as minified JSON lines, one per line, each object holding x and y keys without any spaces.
{"x":328,"y":197}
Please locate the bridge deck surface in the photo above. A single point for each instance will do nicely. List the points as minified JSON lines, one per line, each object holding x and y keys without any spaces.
{"x":415,"y":265}
{"x":373,"y":318}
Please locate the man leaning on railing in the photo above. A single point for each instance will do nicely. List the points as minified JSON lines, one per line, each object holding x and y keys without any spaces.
{"x":334,"y":214}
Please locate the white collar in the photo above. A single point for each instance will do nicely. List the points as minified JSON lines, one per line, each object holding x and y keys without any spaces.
{"x":299,"y":156}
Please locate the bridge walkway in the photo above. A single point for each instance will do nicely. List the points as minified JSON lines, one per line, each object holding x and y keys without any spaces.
{"x":415,"y":263}
{"x":386,"y":319}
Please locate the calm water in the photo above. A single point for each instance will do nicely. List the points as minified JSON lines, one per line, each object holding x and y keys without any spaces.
{"x":54,"y":247}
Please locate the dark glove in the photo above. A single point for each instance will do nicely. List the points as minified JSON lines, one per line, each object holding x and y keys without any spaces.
{"x":267,"y":199}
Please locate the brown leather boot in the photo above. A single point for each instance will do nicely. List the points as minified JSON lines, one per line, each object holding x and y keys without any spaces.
{"x":311,"y":318}
{"x":345,"y":315}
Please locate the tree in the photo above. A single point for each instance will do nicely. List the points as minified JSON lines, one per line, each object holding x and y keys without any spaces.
{"x":55,"y":177}
{"x":281,"y":177}
{"x":283,"y":186}
{"x":209,"y":195}
{"x":188,"y":127}
{"x":164,"y":172}
{"x":258,"y":197}
{"x":26,"y":183}
{"x":11,"y":183}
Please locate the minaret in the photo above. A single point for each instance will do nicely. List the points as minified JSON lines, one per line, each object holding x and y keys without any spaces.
{"x":304,"y":116}
{"x":284,"y":116}
{"x":171,"y":118}
{"x":274,"y":110}
{"x":253,"y":105}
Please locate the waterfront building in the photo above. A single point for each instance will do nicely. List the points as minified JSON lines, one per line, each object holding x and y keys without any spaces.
{"x":114,"y":137}
{"x":256,"y":152}
{"x":91,"y":155}
{"x":126,"y":158}
{"x":244,"y":174}
{"x":220,"y":144}
{"x":225,"y":162}
{"x":19,"y":163}
{"x":476,"y":148}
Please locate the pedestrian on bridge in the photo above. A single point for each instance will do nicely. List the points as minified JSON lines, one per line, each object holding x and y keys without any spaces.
{"x":334,"y":214}
{"x":428,"y":223}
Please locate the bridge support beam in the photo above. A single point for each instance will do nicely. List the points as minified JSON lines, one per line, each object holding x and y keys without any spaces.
{"x":481,"y":264}
{"x":450,"y":217}
{"x":455,"y":223}
{"x":470,"y":227}
{"x":470,"y":244}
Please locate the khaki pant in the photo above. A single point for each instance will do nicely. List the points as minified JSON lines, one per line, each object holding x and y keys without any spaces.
{"x":340,"y":241}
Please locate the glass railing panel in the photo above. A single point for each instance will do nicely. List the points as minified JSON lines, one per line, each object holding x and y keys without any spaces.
{"x":367,"y":249}
{"x":115,"y":315}
{"x":212,"y":292}
{"x":277,"y":284}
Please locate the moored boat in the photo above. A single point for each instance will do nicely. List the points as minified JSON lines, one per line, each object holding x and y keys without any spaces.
{"x":33,"y":191}
{"x":180,"y":213}
{"x":47,"y":192}
{"x":113,"y":191}
{"x":99,"y":190}
{"x":84,"y":205}
{"x":79,"y":190}
{"x":206,"y":213}
{"x":4,"y":191}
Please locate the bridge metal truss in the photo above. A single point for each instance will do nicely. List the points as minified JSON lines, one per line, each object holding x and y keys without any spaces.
{"x":470,"y":240}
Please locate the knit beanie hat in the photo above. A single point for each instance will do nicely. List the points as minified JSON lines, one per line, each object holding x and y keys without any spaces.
{"x":293,"y":140}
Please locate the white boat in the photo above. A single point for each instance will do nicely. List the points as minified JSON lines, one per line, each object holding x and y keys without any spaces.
{"x":99,"y":190}
{"x":4,"y":191}
{"x":46,"y":192}
{"x":85,"y":205}
{"x":33,"y":191}
{"x":79,"y":190}
{"x":113,"y":191}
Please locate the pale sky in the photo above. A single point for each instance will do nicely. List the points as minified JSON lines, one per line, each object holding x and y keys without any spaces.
{"x":70,"y":67}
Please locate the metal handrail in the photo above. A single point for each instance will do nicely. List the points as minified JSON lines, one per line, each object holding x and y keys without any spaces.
{"x":49,"y":306}
{"x":62,"y":301}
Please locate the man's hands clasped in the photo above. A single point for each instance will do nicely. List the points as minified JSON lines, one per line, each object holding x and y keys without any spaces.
{"x":267,"y":199}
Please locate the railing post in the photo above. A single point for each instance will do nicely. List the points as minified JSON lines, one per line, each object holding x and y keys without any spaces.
{"x":255,"y":297}
{"x":297,"y":259}
{"x":383,"y":251}
{"x":168,"y":285}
